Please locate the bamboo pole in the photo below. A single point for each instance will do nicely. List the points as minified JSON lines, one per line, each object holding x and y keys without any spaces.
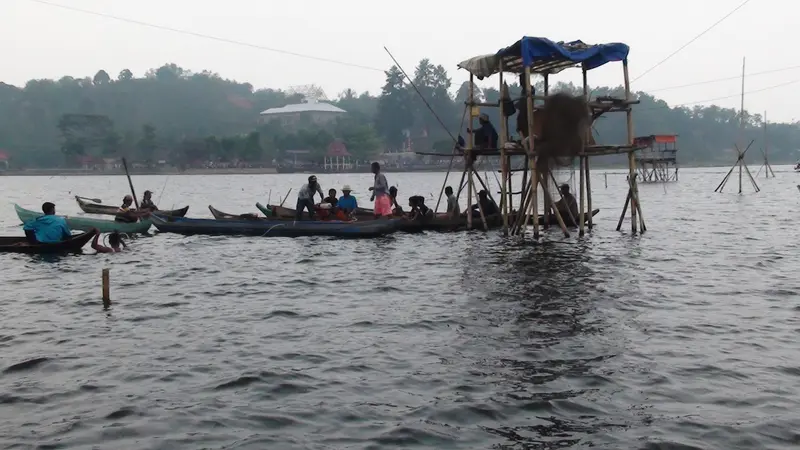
{"x":130,"y":183}
{"x":624,"y":210}
{"x":741,"y":127}
{"x":631,"y":158}
{"x":468,"y":153}
{"x":581,"y":227}
{"x":559,"y":219}
{"x":504,"y":168}
{"x":588,"y":191}
{"x":584,"y":160}
{"x":532,"y":153}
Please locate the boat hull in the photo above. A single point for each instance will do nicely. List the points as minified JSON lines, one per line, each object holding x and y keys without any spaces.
{"x":21,"y":245}
{"x":275,"y":228}
{"x":95,"y":208}
{"x":283,"y":212}
{"x":88,"y":223}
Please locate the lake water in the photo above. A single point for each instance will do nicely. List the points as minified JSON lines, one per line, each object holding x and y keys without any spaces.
{"x":687,"y":337}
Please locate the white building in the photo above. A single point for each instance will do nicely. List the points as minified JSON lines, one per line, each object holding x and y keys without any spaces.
{"x":310,"y":112}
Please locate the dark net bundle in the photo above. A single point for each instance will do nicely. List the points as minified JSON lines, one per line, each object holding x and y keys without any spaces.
{"x":565,"y":122}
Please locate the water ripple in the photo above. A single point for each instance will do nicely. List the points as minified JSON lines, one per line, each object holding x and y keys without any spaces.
{"x":683,"y":338}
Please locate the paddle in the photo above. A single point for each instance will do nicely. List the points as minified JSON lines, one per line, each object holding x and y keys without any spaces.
{"x":95,"y":200}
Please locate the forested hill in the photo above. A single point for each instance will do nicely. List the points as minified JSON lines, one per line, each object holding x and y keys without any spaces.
{"x":171,"y":113}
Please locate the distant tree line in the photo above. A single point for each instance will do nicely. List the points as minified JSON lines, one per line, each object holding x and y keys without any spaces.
{"x":173,"y":114}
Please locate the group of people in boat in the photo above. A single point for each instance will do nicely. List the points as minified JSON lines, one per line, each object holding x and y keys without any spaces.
{"x":128,"y":215}
{"x":385,"y":202}
{"x":51,"y":229}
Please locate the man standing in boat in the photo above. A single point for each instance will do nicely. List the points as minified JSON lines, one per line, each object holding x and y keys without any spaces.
{"x":305,"y":198}
{"x":380,"y":193}
{"x":49,"y":228}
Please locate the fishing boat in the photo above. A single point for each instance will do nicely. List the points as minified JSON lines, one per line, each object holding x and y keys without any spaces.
{"x":21,"y":245}
{"x":289,"y":213}
{"x":267,"y":227}
{"x":219,"y":215}
{"x":96,"y":208}
{"x":86,"y":223}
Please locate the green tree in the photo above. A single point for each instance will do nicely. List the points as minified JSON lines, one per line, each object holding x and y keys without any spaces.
{"x":125,"y":75}
{"x":394,"y":115}
{"x":147,"y":143}
{"x":101,"y":78}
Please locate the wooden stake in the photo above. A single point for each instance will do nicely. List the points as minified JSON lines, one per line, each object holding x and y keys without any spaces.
{"x":582,"y":188}
{"x":588,"y":191}
{"x":532,"y":153}
{"x":504,"y":168}
{"x":631,"y":158}
{"x":106,"y":290}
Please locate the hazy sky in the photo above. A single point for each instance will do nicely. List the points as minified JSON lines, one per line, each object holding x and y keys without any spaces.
{"x":42,"y":41}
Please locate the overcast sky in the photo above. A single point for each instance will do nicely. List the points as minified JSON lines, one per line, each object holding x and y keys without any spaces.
{"x":43,"y":41}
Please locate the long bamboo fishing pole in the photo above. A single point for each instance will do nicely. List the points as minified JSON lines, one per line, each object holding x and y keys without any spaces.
{"x":130,"y":183}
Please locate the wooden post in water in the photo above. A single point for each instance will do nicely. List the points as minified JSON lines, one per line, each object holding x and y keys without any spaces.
{"x":533,"y":160}
{"x":106,"y":290}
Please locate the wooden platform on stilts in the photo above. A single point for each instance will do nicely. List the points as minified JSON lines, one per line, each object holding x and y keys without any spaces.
{"x":538,"y":56}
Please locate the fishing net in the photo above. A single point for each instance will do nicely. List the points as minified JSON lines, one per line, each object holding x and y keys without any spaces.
{"x":565,"y":121}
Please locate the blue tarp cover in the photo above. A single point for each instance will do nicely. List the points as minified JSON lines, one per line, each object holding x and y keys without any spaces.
{"x":545,"y":56}
{"x":536,"y":50}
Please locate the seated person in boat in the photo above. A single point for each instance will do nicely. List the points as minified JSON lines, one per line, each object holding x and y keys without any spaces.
{"x":331,"y":198}
{"x":114,"y":242}
{"x":397,"y":210}
{"x":567,"y":205}
{"x":347,"y":203}
{"x":147,"y":202}
{"x":125,"y":213}
{"x":453,"y":209}
{"x":305,"y":197}
{"x":49,"y":228}
{"x":419,"y":211}
{"x":489,"y":208}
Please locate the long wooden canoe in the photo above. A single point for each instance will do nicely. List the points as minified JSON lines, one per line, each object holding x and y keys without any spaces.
{"x":219,"y":215}
{"x":21,"y":245}
{"x":96,"y":208}
{"x":83,"y":223}
{"x":284,"y":228}
{"x":289,"y":213}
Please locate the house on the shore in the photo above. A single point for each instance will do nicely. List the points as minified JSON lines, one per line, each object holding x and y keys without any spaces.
{"x":293,"y":116}
{"x":4,"y":159}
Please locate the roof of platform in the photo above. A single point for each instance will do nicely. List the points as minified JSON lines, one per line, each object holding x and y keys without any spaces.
{"x":544,"y":56}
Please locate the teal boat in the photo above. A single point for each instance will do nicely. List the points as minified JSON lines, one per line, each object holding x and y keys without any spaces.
{"x":88,"y":223}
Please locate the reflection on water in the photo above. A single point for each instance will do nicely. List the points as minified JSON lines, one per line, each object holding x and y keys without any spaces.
{"x":682,"y":338}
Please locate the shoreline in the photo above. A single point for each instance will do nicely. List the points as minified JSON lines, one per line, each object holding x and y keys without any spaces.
{"x":263,"y":171}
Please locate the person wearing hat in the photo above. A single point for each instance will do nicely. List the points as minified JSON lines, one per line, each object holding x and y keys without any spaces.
{"x":305,"y":197}
{"x":347,"y":202}
{"x":147,"y":202}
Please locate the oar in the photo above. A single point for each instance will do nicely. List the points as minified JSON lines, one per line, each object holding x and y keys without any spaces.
{"x":95,"y":200}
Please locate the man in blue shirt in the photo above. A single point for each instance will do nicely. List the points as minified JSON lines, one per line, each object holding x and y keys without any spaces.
{"x":347,"y":202}
{"x":49,"y":228}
